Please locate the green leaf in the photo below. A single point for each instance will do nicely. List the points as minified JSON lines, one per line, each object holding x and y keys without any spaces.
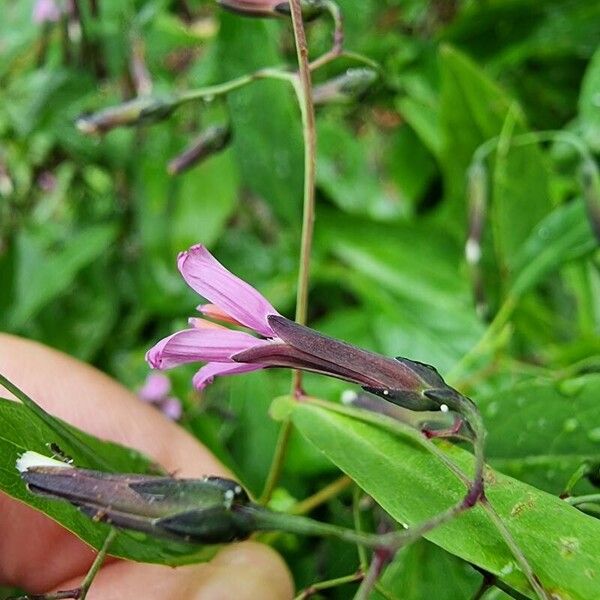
{"x":589,"y":103}
{"x":564,"y":235}
{"x":520,"y":197}
{"x":264,"y":116}
{"x":350,"y":177}
{"x":396,"y":469}
{"x":473,"y":110}
{"x":541,"y":432}
{"x":206,"y":199}
{"x":21,"y":432}
{"x":44,"y":273}
{"x":408,"y":292}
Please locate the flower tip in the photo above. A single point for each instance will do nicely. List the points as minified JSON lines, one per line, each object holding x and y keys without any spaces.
{"x":153,"y":357}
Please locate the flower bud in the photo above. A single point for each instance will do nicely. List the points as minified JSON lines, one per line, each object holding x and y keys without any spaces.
{"x":345,"y":88}
{"x":202,"y":511}
{"x":210,"y":141}
{"x":144,"y":109}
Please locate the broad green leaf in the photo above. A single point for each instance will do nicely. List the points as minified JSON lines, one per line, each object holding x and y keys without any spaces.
{"x":564,"y":235}
{"x":541,"y":432}
{"x":348,"y":173}
{"x":20,"y":432}
{"x":589,"y":103}
{"x":264,"y":116}
{"x":409,"y":277}
{"x":396,"y":469}
{"x":473,"y":110}
{"x":520,"y":198}
{"x":205,"y":200}
{"x":44,"y":273}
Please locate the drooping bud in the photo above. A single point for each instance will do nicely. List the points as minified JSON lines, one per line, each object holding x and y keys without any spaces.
{"x":202,"y":511}
{"x":345,"y":88}
{"x":145,"y":109}
{"x":402,"y":381}
{"x":477,"y":190}
{"x":210,"y":141}
{"x":590,"y":182}
{"x":271,"y":8}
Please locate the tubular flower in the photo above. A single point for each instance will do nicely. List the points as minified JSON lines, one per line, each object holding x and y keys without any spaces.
{"x":279,"y":342}
{"x":232,"y":300}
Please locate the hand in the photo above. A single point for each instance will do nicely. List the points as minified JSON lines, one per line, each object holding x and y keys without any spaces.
{"x":38,"y":555}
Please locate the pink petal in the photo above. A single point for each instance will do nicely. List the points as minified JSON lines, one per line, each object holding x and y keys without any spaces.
{"x":156,"y":387}
{"x":204,"y":324}
{"x":214,"y":312}
{"x":171,"y":408}
{"x":46,"y":11}
{"x":193,"y":345}
{"x":208,"y":372}
{"x":207,"y":276}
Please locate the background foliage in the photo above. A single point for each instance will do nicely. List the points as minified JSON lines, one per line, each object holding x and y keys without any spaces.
{"x":89,"y":228}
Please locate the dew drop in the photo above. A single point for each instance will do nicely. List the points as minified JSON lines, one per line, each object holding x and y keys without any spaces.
{"x":594,"y":434}
{"x":570,"y":425}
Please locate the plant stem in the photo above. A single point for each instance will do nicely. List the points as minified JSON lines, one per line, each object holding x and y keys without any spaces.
{"x":487,"y":339}
{"x":277,"y":463}
{"x":338,"y":37}
{"x":329,"y":491}
{"x":577,"y":500}
{"x":231,"y":85}
{"x":378,"y":564}
{"x":524,"y":565}
{"x":81,"y":592}
{"x":91,"y":574}
{"x":362,"y":555}
{"x":303,"y":89}
{"x":327,"y":585}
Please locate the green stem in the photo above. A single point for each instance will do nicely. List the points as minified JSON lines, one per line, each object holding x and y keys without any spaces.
{"x":509,"y":540}
{"x":303,"y":89}
{"x":338,"y":36}
{"x":329,"y":491}
{"x":277,"y":463}
{"x":577,"y":500}
{"x":229,"y":86}
{"x":329,"y":584}
{"x":91,"y":574}
{"x":582,"y":471}
{"x":487,"y":340}
{"x":267,"y":520}
{"x":362,"y":555}
{"x":81,"y":592}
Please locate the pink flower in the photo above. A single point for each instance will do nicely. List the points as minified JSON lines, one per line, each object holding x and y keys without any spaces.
{"x":156,"y":391}
{"x":276,"y":341}
{"x":46,"y":11}
{"x":233,"y":300}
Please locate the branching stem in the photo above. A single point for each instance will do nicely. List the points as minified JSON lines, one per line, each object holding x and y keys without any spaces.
{"x":303,"y":88}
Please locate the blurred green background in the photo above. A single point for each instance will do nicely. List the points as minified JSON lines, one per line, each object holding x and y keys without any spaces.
{"x":90,"y":227}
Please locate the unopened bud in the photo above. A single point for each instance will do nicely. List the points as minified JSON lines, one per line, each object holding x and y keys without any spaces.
{"x":210,"y":141}
{"x":272,"y":8}
{"x":203,"y":511}
{"x":590,"y":182}
{"x":144,"y":109}
{"x":345,"y":88}
{"x":477,"y":190}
